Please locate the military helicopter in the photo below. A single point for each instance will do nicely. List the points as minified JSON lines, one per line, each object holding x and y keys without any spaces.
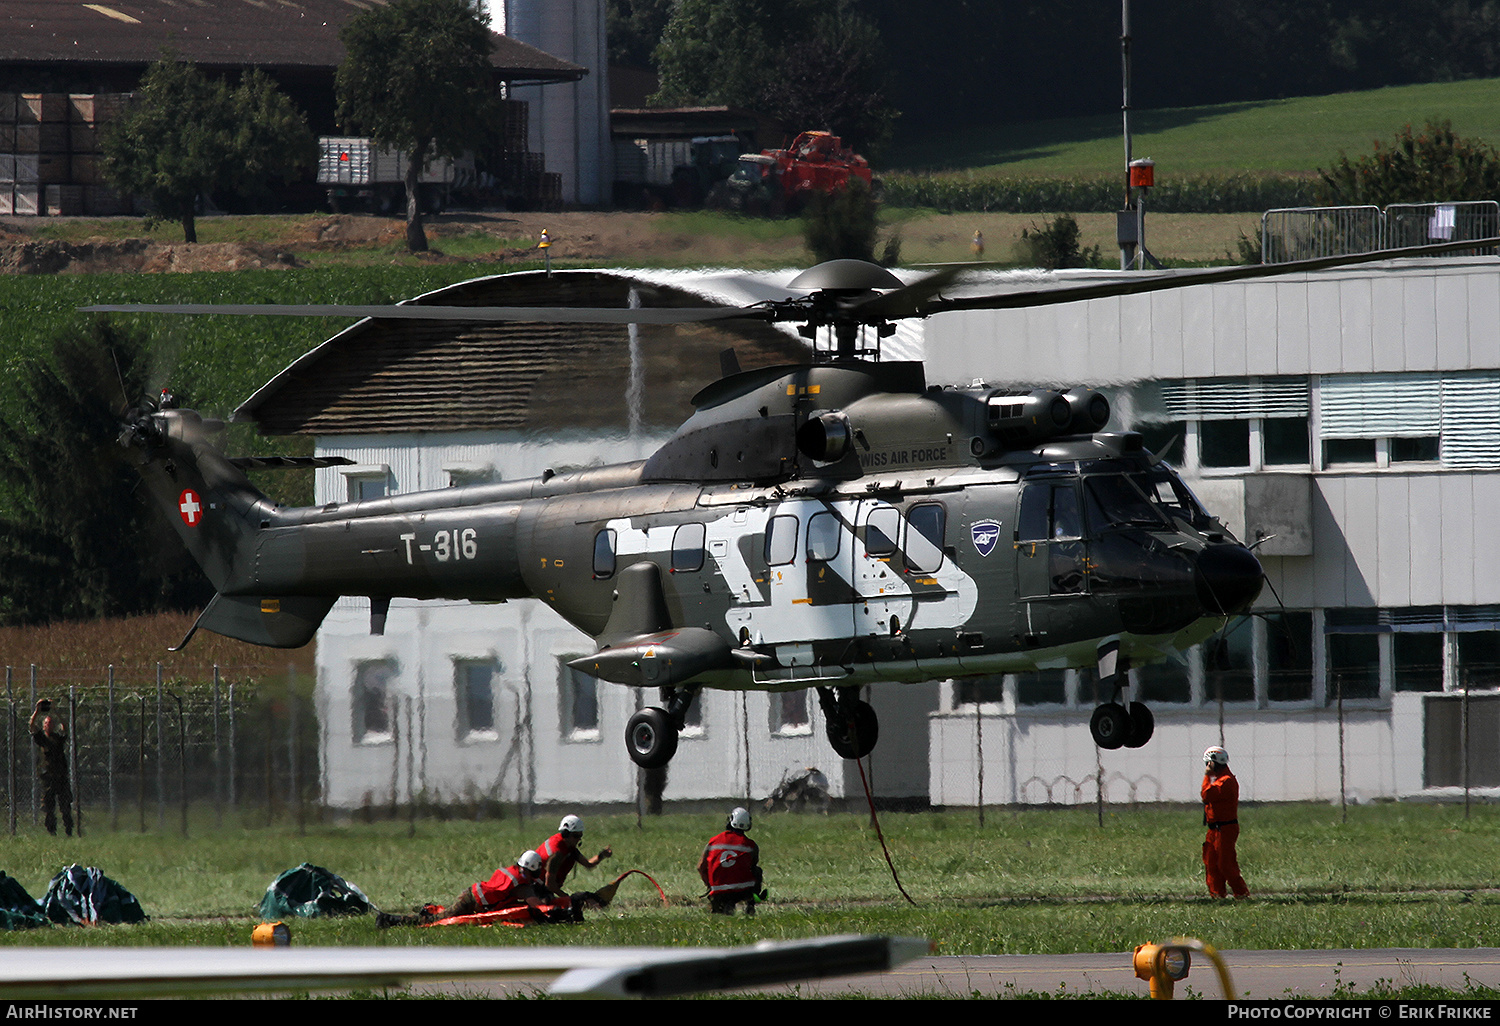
{"x":826,"y":525}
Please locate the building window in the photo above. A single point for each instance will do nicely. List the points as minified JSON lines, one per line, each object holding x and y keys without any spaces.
{"x":789,"y":713}
{"x":474,"y":687}
{"x":367,"y":481}
{"x":578,"y":695}
{"x":692,"y":720}
{"x":1224,"y":443}
{"x":1478,"y":659}
{"x":1353,"y":666}
{"x":980,"y":691}
{"x":1042,"y":687}
{"x":1229,"y":666}
{"x":1164,"y":682}
{"x":1417,"y":661}
{"x":371,"y":699}
{"x":1289,"y":656}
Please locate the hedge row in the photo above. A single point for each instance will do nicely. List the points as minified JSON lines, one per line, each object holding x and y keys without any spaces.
{"x":1204,"y":194}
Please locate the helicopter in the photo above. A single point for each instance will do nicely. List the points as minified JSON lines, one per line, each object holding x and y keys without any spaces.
{"x":828,"y":525}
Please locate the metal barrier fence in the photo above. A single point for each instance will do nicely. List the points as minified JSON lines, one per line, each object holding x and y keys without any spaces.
{"x":143,"y":748}
{"x":1305,"y":233}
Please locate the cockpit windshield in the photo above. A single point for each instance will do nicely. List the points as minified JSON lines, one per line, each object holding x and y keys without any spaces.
{"x":1124,"y":493}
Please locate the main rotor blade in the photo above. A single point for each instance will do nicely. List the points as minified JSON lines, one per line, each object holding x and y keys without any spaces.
{"x":473,"y":314}
{"x":1135,"y":286}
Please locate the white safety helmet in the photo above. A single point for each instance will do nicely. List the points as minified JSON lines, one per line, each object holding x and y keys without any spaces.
{"x":1215,"y":756}
{"x":570,"y":825}
{"x":530,"y":861}
{"x":739,"y":819}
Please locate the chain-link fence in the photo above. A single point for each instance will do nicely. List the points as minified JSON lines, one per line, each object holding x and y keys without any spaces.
{"x":146,"y":749}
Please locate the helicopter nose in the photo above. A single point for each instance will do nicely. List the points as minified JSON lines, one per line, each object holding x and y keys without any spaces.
{"x":1228,"y":579}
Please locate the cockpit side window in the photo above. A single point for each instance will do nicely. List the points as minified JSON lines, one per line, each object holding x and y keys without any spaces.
{"x":1049,"y":512}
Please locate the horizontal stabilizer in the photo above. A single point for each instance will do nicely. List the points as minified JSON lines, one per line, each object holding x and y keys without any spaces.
{"x":662,"y":659}
{"x":274,"y":622}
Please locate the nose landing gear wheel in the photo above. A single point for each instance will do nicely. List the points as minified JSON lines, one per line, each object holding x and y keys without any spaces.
{"x":1110,"y":725}
{"x":650,"y":738}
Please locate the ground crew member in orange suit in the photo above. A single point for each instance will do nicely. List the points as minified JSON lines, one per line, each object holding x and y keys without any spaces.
{"x":1221,"y":814}
{"x":730,"y":867}
{"x":510,"y":886}
{"x":559,"y":853}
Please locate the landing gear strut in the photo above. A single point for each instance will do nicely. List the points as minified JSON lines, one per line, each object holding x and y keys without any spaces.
{"x":852,"y":725}
{"x":651,"y":734}
{"x":1113,"y":724}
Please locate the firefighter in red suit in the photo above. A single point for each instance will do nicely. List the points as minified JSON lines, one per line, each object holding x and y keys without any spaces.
{"x":559,"y":854}
{"x":1221,"y":814}
{"x":730,"y":867}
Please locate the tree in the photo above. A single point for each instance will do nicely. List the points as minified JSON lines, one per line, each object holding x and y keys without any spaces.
{"x":1432,"y":166}
{"x":76,"y":539}
{"x":416,"y":76}
{"x":185,"y":135}
{"x":811,"y":64}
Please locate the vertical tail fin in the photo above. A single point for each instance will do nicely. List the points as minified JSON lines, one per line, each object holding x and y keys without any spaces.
{"x":209,"y":501}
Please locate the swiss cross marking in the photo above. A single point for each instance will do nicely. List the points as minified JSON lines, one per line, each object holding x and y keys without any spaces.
{"x":191,"y":507}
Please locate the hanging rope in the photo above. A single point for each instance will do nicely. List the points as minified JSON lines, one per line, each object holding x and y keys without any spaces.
{"x":886,"y":851}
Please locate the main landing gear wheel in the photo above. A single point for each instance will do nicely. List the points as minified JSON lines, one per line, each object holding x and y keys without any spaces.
{"x":651,"y":738}
{"x":1110,"y":725}
{"x":1142,"y":725}
{"x":853,"y":733}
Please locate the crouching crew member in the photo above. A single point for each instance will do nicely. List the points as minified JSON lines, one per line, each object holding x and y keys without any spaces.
{"x":730,"y":867}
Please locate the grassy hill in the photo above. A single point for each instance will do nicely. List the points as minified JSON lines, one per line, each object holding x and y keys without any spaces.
{"x":1290,"y":136}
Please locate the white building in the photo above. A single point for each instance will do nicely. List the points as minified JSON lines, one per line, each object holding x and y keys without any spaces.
{"x":1352,"y":419}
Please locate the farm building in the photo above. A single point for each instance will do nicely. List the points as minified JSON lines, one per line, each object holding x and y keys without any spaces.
{"x":64,"y":55}
{"x":1347,"y":421}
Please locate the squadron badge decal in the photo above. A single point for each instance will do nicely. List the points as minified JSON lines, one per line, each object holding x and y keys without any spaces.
{"x":984,"y":533}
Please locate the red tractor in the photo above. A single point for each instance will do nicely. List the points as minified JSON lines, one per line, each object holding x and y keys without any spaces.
{"x":778,"y":181}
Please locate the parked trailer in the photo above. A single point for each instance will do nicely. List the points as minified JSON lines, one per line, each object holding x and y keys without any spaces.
{"x":358,"y":173}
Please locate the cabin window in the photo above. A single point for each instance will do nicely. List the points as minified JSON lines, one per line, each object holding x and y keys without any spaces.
{"x":781,"y":540}
{"x":578,"y":699}
{"x":925,"y":527}
{"x":687,"y":548}
{"x":822,"y":537}
{"x":881,"y":530}
{"x":371,"y":699}
{"x":474,"y":688}
{"x":604,"y":554}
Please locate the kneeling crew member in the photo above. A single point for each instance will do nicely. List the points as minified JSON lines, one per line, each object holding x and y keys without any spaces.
{"x":730,"y":867}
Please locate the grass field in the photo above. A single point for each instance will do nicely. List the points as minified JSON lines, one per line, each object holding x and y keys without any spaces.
{"x":1299,"y":134}
{"x":1034,"y":881}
